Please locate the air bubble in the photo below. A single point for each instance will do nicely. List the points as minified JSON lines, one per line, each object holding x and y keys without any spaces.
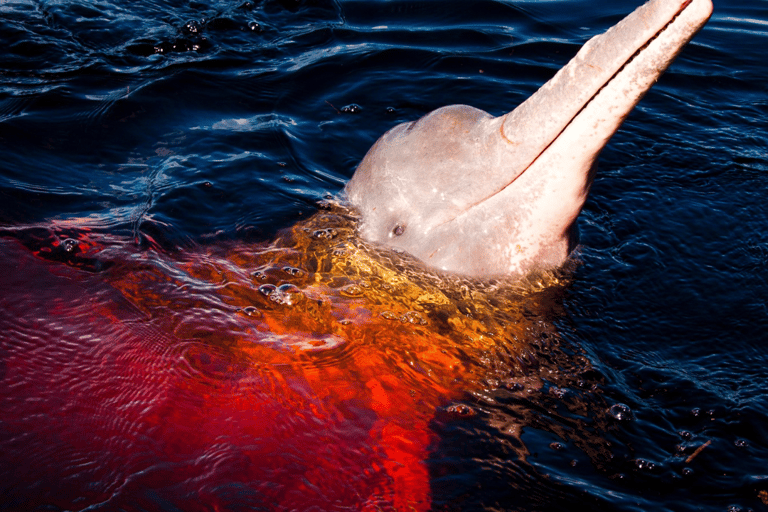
{"x":295,"y":272}
{"x":69,"y":244}
{"x":325,"y":234}
{"x":352,"y":290}
{"x":192,"y":27}
{"x":461,"y":410}
{"x":412,"y":317}
{"x":288,"y":294}
{"x":352,"y":108}
{"x":285,"y":294}
{"x":268,"y":289}
{"x":621,"y":412}
{"x":251,"y":311}
{"x":645,"y":465}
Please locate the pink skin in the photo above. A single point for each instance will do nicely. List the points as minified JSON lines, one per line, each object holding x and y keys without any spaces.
{"x":482,"y":196}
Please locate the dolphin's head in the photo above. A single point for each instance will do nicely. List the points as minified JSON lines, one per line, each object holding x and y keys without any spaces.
{"x":479,"y":195}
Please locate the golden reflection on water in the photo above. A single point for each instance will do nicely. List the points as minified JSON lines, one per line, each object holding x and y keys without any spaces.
{"x":318,"y":296}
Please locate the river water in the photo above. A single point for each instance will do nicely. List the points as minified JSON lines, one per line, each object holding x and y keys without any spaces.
{"x":179,"y":330}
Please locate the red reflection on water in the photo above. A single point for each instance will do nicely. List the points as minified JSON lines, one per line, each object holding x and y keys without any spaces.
{"x":120,"y":390}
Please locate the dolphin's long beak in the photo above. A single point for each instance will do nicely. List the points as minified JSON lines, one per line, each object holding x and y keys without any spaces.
{"x":598,"y":88}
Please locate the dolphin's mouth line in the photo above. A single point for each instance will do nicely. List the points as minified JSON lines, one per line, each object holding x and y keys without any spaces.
{"x":629,"y":60}
{"x":640,"y":50}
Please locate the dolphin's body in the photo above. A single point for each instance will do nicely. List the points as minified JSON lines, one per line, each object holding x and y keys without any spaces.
{"x":479,"y":195}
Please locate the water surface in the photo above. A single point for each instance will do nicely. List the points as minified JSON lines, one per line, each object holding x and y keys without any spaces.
{"x":153,"y":152}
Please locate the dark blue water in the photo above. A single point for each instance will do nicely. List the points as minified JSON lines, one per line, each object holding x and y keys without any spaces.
{"x":182,"y":125}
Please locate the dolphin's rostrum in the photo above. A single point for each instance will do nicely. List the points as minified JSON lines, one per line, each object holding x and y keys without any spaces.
{"x":479,"y":195}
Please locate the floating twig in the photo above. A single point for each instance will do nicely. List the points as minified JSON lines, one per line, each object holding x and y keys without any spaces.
{"x":698,"y":451}
{"x":334,"y":108}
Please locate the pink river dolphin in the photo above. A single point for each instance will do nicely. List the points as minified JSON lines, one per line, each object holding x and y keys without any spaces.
{"x":474,"y":194}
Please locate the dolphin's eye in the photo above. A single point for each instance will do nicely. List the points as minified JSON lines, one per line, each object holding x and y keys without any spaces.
{"x":398,"y":230}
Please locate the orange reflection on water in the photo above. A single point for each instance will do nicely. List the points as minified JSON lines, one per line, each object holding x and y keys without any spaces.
{"x":296,"y":375}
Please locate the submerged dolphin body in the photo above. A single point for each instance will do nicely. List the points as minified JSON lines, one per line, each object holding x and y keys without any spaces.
{"x":479,"y":195}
